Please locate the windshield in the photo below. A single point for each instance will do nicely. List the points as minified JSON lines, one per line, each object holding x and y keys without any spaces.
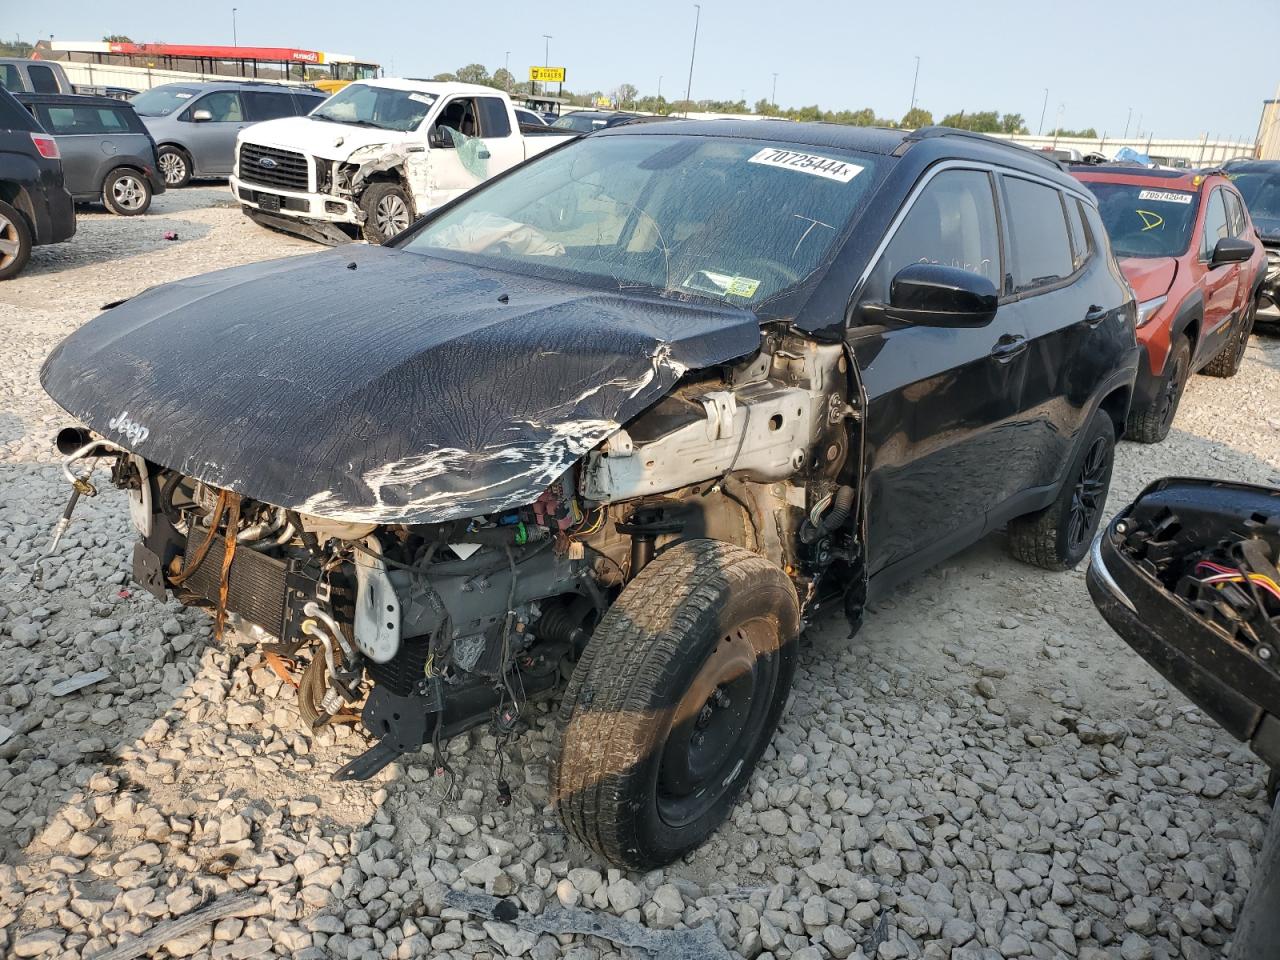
{"x":733,"y":219}
{"x":1146,"y":221}
{"x":382,"y":107}
{"x":1261,"y":192}
{"x":576,"y":121}
{"x":161,"y":101}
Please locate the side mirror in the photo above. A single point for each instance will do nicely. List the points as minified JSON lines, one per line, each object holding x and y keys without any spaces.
{"x":934,"y":295}
{"x":201,"y":116}
{"x":437,"y":139}
{"x":1231,"y":250}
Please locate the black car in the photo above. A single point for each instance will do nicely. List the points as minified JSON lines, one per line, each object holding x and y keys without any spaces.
{"x":107,"y":153}
{"x":35,"y":208}
{"x":1259,"y":184}
{"x":633,"y":412}
{"x":588,"y":121}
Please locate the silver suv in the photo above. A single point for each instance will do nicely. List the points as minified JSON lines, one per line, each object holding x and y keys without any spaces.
{"x":195,"y":124}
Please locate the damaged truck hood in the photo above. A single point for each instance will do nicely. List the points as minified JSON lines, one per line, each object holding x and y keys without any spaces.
{"x":323,"y":138}
{"x":367,"y":384}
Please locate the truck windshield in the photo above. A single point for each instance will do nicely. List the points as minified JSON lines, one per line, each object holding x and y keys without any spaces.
{"x":1261,"y":192}
{"x":732,"y":219}
{"x":162,"y":101}
{"x":1146,"y":220}
{"x":383,"y":107}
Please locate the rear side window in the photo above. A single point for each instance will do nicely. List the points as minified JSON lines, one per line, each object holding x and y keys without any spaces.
{"x":493,"y":117}
{"x":73,"y":121}
{"x":1216,"y":224}
{"x":1040,"y":243}
{"x":11,"y":78}
{"x":305,"y":103}
{"x":267,"y":106}
{"x":952,"y":222}
{"x":1079,"y":236}
{"x":42,"y":78}
{"x":13,"y":116}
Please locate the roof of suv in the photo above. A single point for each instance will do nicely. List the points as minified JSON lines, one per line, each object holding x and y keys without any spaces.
{"x":206,"y":85}
{"x":72,"y":99}
{"x":946,"y":141}
{"x":1189,"y":180}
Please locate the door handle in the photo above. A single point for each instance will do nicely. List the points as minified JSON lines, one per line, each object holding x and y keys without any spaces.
{"x":1008,"y":347}
{"x":1095,"y":315}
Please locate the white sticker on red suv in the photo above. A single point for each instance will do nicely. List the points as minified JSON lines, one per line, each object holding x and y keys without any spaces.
{"x":832,"y":169}
{"x":1165,"y":196}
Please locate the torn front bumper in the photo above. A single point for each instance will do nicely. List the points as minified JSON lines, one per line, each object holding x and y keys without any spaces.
{"x":1228,"y":681}
{"x":320,"y":207}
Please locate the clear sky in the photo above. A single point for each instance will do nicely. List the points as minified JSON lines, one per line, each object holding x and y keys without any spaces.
{"x":1186,"y":68}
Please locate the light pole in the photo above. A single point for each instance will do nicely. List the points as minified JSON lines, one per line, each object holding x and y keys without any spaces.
{"x":1126,"y":123}
{"x":1043,"y":108}
{"x":235,"y":41}
{"x":688,"y":90}
{"x":914,"y":81}
{"x":658,"y":100}
{"x":1057,"y":124}
{"x":546,"y":58}
{"x":774,"y":98}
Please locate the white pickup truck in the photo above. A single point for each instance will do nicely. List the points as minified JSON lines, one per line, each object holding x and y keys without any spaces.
{"x":376,"y":154}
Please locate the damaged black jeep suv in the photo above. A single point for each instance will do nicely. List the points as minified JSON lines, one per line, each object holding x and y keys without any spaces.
{"x":618,"y":424}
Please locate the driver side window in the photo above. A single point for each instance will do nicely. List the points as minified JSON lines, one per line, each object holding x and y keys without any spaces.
{"x":224,"y":105}
{"x":952,"y":222}
{"x":458,"y":115}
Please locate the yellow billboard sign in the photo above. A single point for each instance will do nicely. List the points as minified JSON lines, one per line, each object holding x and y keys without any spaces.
{"x":546,"y":74}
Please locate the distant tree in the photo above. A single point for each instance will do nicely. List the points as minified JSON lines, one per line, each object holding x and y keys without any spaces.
{"x":474,"y":73}
{"x":116,"y":38}
{"x":1013,"y":123}
{"x":15,"y":48}
{"x":917,"y":117}
{"x":503,"y":80}
{"x":1088,"y":133}
{"x":764,"y":108}
{"x":626,"y":94}
{"x":445,"y":77}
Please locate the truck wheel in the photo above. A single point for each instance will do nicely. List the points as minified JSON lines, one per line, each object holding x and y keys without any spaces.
{"x":1058,"y":537}
{"x":1227,"y":362}
{"x":387,"y":211}
{"x":175,"y":166}
{"x":673,"y":702}
{"x":126,"y":192}
{"x":15,"y":242}
{"x":1151,"y":424}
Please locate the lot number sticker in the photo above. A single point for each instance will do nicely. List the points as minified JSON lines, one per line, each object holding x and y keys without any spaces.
{"x":839,"y":170}
{"x":1164,"y":196}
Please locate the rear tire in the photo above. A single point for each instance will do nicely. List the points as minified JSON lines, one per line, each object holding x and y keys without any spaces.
{"x":1227,"y":362}
{"x":126,"y":193}
{"x":673,"y":702}
{"x":387,"y":210}
{"x":15,"y":242}
{"x":1151,"y":424}
{"x":1059,"y":536}
{"x":175,"y":166}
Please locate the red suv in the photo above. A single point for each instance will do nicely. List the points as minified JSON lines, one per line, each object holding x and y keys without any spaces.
{"x":1186,"y":245}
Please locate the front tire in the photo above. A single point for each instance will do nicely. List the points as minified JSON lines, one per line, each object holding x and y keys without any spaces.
{"x":15,"y":242}
{"x":673,"y":702}
{"x":126,"y":193}
{"x":387,"y":211}
{"x":1227,"y":362}
{"x":1058,"y":537}
{"x":175,"y":166}
{"x":1151,"y":424}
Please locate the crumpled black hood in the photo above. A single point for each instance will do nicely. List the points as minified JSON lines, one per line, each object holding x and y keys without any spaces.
{"x":402,"y":391}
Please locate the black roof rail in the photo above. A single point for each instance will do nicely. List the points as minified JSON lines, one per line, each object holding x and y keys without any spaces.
{"x":930,"y":133}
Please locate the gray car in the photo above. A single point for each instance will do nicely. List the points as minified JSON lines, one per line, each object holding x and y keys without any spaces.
{"x":107,"y":154}
{"x":195,"y":124}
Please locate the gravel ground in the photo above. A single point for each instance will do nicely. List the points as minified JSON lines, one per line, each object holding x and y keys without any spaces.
{"x":986,"y":771}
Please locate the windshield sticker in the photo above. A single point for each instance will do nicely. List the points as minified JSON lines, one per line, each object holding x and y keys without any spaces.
{"x":1164,"y":196}
{"x":1151,"y":219}
{"x":742,"y":287}
{"x":184,"y":96}
{"x":423,"y":98}
{"x":839,"y":170}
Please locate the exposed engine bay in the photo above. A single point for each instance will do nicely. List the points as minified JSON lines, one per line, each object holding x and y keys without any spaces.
{"x":430,"y":629}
